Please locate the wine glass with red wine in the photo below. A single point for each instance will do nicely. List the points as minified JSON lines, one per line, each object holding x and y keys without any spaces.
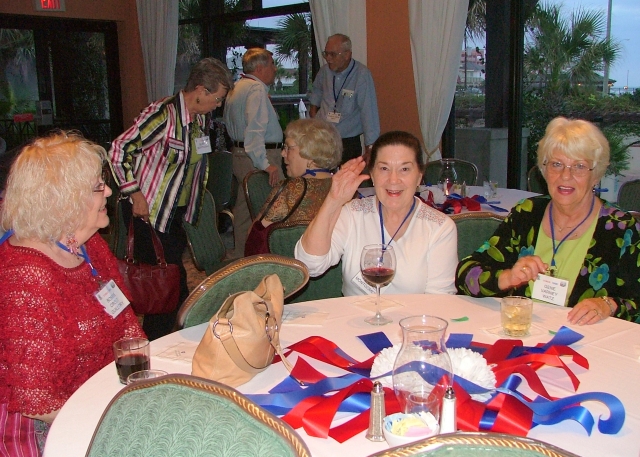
{"x":378,"y":266}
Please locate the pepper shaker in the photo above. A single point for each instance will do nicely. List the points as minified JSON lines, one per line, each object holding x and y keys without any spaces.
{"x":376,"y":414}
{"x":448,"y":416}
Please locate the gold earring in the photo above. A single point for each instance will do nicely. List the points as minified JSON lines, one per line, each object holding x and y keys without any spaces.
{"x":198,"y":100}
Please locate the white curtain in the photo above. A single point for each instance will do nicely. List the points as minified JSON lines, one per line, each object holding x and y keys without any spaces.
{"x":348,"y":17}
{"x":158,"y":20}
{"x":437,"y":31}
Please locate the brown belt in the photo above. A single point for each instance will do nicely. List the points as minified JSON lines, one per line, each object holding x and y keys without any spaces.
{"x":240,"y":144}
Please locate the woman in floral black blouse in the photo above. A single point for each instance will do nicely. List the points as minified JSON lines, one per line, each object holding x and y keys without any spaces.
{"x":569,"y":234}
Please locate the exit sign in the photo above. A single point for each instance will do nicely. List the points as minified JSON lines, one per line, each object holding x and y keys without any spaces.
{"x":49,"y":5}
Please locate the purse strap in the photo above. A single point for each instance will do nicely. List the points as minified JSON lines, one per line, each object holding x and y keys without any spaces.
{"x":157,"y":245}
{"x":226,"y":337}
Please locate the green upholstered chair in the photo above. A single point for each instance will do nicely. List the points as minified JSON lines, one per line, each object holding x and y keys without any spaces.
{"x":466,"y":171}
{"x":118,"y":241}
{"x":629,"y":195}
{"x":243,"y":274}
{"x":206,"y":247}
{"x":256,"y":190}
{"x":536,"y":182}
{"x":282,"y":239}
{"x":187,"y":416}
{"x":474,"y":228}
{"x":220,"y":181}
{"x":476,"y":444}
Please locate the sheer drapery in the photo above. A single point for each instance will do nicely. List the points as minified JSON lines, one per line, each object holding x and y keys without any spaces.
{"x":158,"y":21}
{"x":437,"y":31}
{"x":346,"y":17}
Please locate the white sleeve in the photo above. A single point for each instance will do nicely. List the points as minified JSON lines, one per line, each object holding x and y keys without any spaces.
{"x":318,"y":264}
{"x":443,"y":252}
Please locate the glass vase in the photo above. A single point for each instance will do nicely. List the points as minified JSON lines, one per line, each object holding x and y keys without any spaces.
{"x":448,"y":176}
{"x":422,"y":370}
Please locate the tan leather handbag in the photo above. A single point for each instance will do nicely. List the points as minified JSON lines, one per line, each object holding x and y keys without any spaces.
{"x":243,"y":337}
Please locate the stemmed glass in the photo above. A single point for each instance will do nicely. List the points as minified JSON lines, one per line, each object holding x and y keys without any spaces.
{"x":378,"y":266}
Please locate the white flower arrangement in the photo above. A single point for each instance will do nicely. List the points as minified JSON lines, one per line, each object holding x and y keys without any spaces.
{"x":465,"y":363}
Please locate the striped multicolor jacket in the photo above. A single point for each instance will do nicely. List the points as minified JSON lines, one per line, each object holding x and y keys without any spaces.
{"x":153,"y":155}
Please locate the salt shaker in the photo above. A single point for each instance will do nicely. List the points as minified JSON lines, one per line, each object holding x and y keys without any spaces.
{"x":376,"y":414}
{"x":448,"y":416}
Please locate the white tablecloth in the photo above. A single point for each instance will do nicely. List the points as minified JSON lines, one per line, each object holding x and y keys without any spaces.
{"x":612,"y":348}
{"x":506,"y":198}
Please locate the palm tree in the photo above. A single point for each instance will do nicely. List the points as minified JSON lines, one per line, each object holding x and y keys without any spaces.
{"x":16,"y":48}
{"x":293,"y":42}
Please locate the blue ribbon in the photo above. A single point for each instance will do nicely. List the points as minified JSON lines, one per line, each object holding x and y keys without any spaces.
{"x":551,"y":412}
{"x":376,"y":341}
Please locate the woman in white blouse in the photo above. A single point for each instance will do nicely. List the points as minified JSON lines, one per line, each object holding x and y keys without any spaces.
{"x":424,"y":240}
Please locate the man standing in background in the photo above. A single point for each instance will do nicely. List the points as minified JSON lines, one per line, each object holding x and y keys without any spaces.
{"x":343,"y":94}
{"x":253,"y":125}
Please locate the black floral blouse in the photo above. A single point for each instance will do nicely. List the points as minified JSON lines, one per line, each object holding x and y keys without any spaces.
{"x":610,"y":268}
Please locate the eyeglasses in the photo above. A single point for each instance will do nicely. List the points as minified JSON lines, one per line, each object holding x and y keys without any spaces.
{"x":101,"y":185}
{"x":332,"y":54}
{"x":286,"y":147}
{"x":579,"y":170}
{"x":218,"y":99}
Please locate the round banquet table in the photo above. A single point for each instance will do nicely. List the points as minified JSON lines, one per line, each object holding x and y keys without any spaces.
{"x":612,"y":348}
{"x":505,"y":198}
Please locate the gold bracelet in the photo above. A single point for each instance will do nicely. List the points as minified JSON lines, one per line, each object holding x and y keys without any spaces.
{"x":612,"y":307}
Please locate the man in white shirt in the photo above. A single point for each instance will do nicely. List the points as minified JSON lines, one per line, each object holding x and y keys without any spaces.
{"x":253,"y":125}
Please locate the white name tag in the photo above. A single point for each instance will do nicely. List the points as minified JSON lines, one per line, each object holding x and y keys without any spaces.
{"x":333,"y":117}
{"x":359,"y":281}
{"x":551,"y":290}
{"x":203,"y":145}
{"x":112,"y":299}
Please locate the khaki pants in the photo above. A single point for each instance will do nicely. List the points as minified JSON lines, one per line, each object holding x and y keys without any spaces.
{"x":242,"y":166}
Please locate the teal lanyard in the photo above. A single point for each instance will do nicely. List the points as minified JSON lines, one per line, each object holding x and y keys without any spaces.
{"x":413,"y":205}
{"x":553,"y":238}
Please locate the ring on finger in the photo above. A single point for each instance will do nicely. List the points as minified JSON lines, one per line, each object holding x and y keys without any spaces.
{"x":524,"y":269}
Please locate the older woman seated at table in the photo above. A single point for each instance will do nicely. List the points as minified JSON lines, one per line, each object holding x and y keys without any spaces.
{"x":424,"y":239}
{"x":312,"y":149}
{"x":55,"y":333}
{"x":571,"y":235}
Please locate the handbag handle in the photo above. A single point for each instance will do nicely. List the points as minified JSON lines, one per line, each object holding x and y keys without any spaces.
{"x":157,"y":245}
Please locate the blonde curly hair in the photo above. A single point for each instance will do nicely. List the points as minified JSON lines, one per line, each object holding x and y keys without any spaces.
{"x":50,"y":186}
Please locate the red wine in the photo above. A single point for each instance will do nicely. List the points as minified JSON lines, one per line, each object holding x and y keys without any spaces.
{"x":130,"y":364}
{"x":378,"y":275}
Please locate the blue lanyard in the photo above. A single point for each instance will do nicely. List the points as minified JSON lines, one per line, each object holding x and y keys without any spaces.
{"x":553,"y":238}
{"x":314,"y":171}
{"x":336,"y":97}
{"x":83,"y":253}
{"x":413,"y":205}
{"x":6,"y":236}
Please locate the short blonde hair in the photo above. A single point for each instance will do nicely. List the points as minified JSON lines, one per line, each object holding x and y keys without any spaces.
{"x":50,"y":186}
{"x":576,"y":139}
{"x":318,"y":141}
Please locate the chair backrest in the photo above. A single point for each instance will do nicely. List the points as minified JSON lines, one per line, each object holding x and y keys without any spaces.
{"x":220,"y":181}
{"x":243,"y":274}
{"x":474,"y":228}
{"x":466,"y":171}
{"x":182,"y":415}
{"x":282,"y":239}
{"x":118,"y":241}
{"x":536,"y":182}
{"x":256,"y":190}
{"x":206,"y":247}
{"x":629,"y":195}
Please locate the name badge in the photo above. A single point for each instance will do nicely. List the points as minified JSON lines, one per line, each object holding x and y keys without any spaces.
{"x":333,"y":117}
{"x":550,"y":289}
{"x":363,"y":285}
{"x":203,"y":145}
{"x":347,"y":93}
{"x":112,"y":299}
